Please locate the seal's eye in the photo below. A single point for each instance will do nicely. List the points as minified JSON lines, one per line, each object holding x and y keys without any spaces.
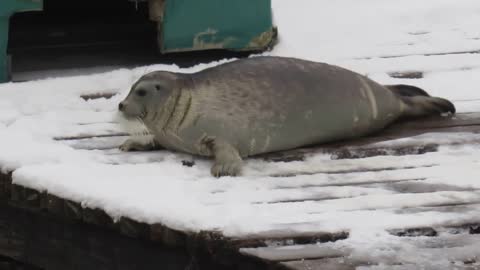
{"x":141,"y":92}
{"x":157,"y":87}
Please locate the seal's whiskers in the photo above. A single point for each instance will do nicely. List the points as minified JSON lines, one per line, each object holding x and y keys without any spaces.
{"x":137,"y":129}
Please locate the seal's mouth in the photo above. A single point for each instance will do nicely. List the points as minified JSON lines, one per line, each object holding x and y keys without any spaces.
{"x":135,"y":126}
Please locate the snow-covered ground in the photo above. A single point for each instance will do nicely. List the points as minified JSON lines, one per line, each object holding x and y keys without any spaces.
{"x":372,"y":37}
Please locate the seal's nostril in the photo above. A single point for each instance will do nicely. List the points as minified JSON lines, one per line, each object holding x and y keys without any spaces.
{"x":120,"y":106}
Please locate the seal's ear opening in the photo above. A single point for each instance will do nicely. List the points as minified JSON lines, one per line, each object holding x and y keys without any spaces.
{"x":157,"y":87}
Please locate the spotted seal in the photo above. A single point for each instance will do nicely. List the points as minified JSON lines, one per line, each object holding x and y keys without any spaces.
{"x":265,"y":104}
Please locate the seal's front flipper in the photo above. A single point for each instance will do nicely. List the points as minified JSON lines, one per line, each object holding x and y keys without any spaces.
{"x":134,"y":145}
{"x":227,"y":159}
{"x":420,"y":103}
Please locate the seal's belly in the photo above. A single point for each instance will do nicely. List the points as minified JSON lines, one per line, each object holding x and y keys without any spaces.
{"x":271,"y":105}
{"x":322,"y":115}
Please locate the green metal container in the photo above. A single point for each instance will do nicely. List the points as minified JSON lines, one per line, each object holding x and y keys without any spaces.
{"x":183,"y":25}
{"x":7,"y":9}
{"x":239,"y":25}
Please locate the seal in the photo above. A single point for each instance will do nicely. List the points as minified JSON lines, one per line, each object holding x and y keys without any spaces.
{"x":265,"y":104}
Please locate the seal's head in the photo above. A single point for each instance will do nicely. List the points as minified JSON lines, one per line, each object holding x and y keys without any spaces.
{"x":148,"y":94}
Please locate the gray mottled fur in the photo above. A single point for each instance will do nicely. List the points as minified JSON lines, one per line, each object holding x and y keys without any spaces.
{"x":260,"y":105}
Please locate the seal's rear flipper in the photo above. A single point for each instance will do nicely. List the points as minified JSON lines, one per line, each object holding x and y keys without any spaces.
{"x":419,"y":103}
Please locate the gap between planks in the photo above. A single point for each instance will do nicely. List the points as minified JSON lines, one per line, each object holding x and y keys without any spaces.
{"x":476,"y":51}
{"x":325,"y":250}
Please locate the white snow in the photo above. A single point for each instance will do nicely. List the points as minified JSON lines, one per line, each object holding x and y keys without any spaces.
{"x":154,"y":187}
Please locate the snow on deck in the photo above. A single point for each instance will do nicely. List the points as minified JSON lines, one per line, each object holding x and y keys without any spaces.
{"x":56,"y":139}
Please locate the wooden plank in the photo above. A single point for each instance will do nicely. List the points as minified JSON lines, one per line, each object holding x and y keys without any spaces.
{"x":315,"y":194}
{"x":461,"y":249}
{"x":466,"y":213}
{"x":324,"y":264}
{"x":364,"y":147}
{"x":107,"y":94}
{"x":417,"y":187}
{"x":291,"y":253}
{"x":5,"y":186}
{"x":256,"y":241}
{"x":353,"y":170}
{"x":327,"y":191}
{"x":88,"y":136}
{"x":96,"y":143}
{"x":365,"y":182}
{"x":437,"y":122}
{"x":475,"y":51}
{"x":349,"y":151}
{"x":396,"y":201}
{"x":406,"y":74}
{"x":350,"y":264}
{"x":53,"y":244}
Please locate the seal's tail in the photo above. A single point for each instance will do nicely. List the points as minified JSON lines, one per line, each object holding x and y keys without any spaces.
{"x":420,"y":103}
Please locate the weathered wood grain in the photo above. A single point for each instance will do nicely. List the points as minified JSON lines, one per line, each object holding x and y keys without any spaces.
{"x":365,"y":147}
{"x":353,"y":170}
{"x":457,"y":248}
{"x":53,"y":244}
{"x":87,"y":136}
{"x":406,"y":74}
{"x":424,"y":54}
{"x":255,"y":241}
{"x":323,"y":264}
{"x":292,"y":253}
{"x":107,"y":94}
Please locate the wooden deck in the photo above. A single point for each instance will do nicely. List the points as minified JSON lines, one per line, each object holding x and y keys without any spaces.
{"x":397,"y":199}
{"x":27,"y":213}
